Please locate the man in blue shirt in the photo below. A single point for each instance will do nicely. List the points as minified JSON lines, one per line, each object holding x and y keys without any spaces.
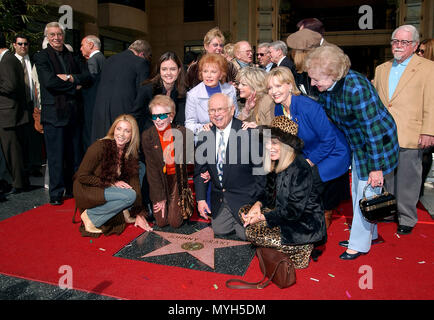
{"x":404,"y":85}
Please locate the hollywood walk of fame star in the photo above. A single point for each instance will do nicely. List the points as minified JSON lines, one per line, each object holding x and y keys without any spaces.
{"x":200,"y":245}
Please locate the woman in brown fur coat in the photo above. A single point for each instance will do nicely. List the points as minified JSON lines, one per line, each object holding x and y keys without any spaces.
{"x":107,"y":182}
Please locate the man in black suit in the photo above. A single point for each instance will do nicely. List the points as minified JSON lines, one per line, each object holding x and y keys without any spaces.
{"x":119,"y":86}
{"x":61,"y":77}
{"x":12,"y":115}
{"x":278,"y":52}
{"x":31,"y":140}
{"x":227,"y":153}
{"x":90,"y":48}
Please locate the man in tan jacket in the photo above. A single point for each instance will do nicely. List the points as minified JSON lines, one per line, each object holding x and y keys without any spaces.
{"x":405,"y":86}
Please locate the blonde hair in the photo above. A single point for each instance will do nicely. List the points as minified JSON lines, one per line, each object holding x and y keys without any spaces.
{"x":163,"y":101}
{"x":429,"y":49}
{"x":254,"y":78}
{"x":299,"y":56}
{"x":229,"y":50}
{"x":329,"y":60}
{"x":211,"y":34}
{"x":133,"y":146}
{"x":283,"y":75}
{"x":286,"y":157}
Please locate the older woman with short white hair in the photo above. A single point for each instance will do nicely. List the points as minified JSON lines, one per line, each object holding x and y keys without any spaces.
{"x":352,"y":103}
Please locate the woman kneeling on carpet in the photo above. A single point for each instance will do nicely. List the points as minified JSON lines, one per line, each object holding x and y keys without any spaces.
{"x":164,"y":145}
{"x":107,"y":183}
{"x":288,"y":216}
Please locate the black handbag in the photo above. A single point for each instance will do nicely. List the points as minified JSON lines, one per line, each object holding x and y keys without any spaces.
{"x":378,"y":207}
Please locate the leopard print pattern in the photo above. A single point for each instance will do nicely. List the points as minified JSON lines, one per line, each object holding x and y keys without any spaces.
{"x":261,"y":235}
{"x":285,"y":124}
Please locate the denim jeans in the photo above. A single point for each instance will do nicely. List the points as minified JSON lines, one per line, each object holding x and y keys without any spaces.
{"x":117,"y":199}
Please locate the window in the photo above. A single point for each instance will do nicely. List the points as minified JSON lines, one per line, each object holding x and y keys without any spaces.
{"x":112,"y":46}
{"x":195,"y":11}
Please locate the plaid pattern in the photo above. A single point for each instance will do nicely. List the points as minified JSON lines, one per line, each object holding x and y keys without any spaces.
{"x":354,"y":106}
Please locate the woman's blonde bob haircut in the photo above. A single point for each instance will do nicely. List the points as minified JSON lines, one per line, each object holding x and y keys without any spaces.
{"x":134,"y":144}
{"x":163,"y":101}
{"x":283,"y":75}
{"x":329,"y":60}
{"x":254,"y":78}
{"x":286,"y":157}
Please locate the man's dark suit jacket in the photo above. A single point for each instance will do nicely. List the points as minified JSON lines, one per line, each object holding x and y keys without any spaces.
{"x":118,"y":90}
{"x":239,"y":186}
{"x":12,"y":92}
{"x":286,"y":62}
{"x":52,"y":87}
{"x":95,"y":65}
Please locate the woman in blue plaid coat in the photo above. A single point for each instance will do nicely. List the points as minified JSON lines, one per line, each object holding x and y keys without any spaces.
{"x":352,"y":103}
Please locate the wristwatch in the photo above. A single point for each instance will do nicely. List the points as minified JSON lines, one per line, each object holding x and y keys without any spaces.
{"x":68,"y":76}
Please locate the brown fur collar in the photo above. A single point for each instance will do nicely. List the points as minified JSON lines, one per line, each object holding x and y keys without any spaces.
{"x":129,"y":167}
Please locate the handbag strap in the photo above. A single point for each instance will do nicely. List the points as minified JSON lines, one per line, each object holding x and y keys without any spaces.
{"x":383,"y":189}
{"x":254,"y":285}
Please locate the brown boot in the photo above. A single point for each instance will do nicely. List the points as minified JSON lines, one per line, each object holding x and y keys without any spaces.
{"x":328,"y":217}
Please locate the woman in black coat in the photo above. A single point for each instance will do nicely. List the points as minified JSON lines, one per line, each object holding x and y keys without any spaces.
{"x":288,"y":216}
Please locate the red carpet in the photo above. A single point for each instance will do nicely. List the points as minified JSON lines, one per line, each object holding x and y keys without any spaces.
{"x":35,"y":244}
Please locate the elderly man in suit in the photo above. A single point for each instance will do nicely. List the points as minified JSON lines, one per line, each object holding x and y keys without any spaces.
{"x":405,"y":86}
{"x":243,"y":54}
{"x":118,"y":90}
{"x":264,"y":56}
{"x":61,"y":77}
{"x":13,"y":115}
{"x":278,"y":52}
{"x":90,"y":49}
{"x":225,"y":153}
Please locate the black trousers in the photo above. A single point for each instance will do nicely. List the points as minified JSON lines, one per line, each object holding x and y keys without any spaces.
{"x":64,"y":155}
{"x":13,"y":154}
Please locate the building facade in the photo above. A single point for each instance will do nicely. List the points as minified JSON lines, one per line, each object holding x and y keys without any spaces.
{"x":361,"y":27}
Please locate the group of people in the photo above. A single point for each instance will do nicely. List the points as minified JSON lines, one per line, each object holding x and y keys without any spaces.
{"x":270,"y":146}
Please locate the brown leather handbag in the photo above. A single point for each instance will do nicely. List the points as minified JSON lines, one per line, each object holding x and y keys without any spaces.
{"x":275,"y":265}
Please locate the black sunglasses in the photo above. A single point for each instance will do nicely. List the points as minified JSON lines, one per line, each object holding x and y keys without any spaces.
{"x":23,"y":44}
{"x":162,"y":116}
{"x":420,"y":51}
{"x":260,"y":54}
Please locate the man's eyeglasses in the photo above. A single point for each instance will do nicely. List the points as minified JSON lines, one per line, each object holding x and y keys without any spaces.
{"x":161,"y":116}
{"x":23,"y":44}
{"x":404,"y":43}
{"x":219,"y":111}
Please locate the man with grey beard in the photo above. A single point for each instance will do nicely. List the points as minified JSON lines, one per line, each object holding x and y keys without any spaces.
{"x":404,"y":85}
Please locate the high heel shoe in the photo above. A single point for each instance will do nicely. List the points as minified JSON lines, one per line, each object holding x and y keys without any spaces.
{"x":88,"y":225}
{"x":350,"y":256}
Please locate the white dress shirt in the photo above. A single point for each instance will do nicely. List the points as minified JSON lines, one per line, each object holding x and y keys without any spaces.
{"x":29,"y":72}
{"x":226,"y":132}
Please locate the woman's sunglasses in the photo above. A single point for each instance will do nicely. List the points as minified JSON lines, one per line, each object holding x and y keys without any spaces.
{"x":162,"y":116}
